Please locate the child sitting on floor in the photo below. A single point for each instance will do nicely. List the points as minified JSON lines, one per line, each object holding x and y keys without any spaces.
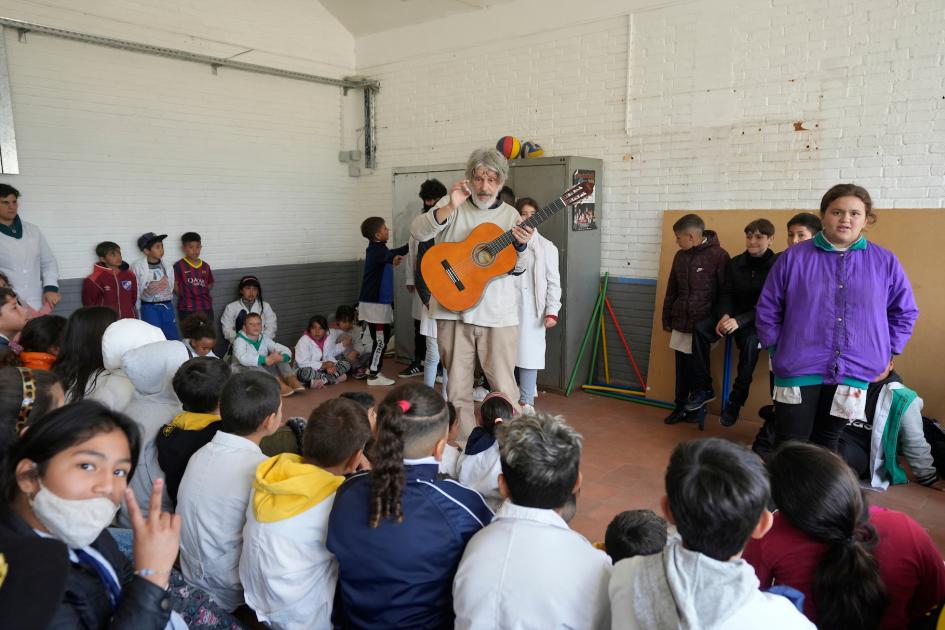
{"x":41,"y":339}
{"x":717,"y":495}
{"x":478,"y":466}
{"x":198,"y":384}
{"x":397,"y":531}
{"x":200,"y":335}
{"x":288,"y":575}
{"x":316,"y":356}
{"x":635,"y":533}
{"x":252,"y":350}
{"x":214,"y":493}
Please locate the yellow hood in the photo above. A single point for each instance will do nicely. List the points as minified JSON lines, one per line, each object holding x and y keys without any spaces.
{"x":190,"y":421}
{"x":285,"y":487}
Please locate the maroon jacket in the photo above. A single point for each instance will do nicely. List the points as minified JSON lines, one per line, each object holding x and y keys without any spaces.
{"x":694,"y":282}
{"x":117,"y":290}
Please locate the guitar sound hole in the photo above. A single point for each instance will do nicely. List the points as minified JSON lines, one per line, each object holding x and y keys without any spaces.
{"x":482,"y":256}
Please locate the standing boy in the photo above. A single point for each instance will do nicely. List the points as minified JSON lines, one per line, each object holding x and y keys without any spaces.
{"x":377,"y":292}
{"x":111,"y":283}
{"x":735,"y":316}
{"x":803,"y":226}
{"x":697,"y":273}
{"x":155,"y":285}
{"x":193,"y":280}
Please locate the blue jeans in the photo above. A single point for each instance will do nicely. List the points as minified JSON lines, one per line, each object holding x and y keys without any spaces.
{"x":528,"y":385}
{"x":430,"y":362}
{"x":161,"y":314}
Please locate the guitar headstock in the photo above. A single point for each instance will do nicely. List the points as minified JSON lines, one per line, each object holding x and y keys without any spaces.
{"x":577,"y":192}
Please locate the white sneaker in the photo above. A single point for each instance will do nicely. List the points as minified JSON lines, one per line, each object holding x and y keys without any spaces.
{"x":379,"y":381}
{"x":480,"y":393}
{"x":527,"y":410}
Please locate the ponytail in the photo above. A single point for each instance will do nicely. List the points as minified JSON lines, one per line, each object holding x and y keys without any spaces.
{"x":410,"y":421}
{"x":819,"y":495}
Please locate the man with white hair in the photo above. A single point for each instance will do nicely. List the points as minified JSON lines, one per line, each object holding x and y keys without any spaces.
{"x":489,"y":329}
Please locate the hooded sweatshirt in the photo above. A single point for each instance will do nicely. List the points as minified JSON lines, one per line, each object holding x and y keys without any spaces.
{"x":695,"y":279}
{"x":288,"y":575}
{"x":151,"y":370}
{"x":117,"y":290}
{"x":112,"y":387}
{"x":679,"y":588}
{"x":178,"y":440}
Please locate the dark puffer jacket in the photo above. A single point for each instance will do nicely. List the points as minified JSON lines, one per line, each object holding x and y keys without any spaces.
{"x":694,"y":283}
{"x":743,"y":282}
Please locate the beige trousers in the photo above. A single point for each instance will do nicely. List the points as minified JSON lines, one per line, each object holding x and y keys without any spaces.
{"x":459,"y":346}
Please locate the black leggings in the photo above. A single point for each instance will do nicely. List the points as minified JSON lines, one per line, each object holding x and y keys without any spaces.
{"x":854,"y":448}
{"x":380,"y":333}
{"x":809,"y":421}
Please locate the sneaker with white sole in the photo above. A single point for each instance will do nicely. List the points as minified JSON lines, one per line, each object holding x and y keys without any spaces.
{"x":379,"y":381}
{"x":414,"y":369}
{"x":527,"y":410}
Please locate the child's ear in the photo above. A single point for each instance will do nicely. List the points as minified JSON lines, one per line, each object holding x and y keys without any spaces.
{"x":667,"y":512}
{"x":27,"y":477}
{"x":765,"y":522}
{"x":503,"y":487}
{"x":438,"y":449}
{"x":352,"y":464}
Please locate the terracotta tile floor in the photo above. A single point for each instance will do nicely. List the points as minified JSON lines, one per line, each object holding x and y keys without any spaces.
{"x":626,"y":447}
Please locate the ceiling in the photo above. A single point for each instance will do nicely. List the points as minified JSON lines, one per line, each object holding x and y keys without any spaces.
{"x":363,"y":17}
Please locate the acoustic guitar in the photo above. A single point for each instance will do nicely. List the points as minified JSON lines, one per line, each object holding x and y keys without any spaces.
{"x":457,"y":273}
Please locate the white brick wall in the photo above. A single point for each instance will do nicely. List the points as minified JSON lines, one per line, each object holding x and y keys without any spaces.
{"x":715,"y":89}
{"x":112,"y":143}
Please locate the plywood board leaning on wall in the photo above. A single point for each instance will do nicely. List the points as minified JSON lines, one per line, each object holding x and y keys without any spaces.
{"x":913,"y":235}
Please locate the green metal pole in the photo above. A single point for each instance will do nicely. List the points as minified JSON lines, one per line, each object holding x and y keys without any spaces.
{"x":590,"y":368}
{"x":587,"y":334}
{"x":633,"y":399}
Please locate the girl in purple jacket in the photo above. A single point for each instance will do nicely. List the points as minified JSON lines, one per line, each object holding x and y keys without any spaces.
{"x":833,"y":313}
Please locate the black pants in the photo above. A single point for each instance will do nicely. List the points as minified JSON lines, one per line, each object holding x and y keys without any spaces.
{"x":380,"y":333}
{"x":683,"y":378}
{"x":745,"y":338}
{"x":809,"y":421}
{"x":854,"y":448}
{"x":419,"y":344}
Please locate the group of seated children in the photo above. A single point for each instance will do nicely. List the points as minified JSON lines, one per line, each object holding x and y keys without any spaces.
{"x":360,"y":527}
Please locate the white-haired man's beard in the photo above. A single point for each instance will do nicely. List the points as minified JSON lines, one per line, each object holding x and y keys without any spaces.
{"x":483,"y":203}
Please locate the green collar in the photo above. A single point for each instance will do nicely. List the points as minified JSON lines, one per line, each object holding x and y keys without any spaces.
{"x":15,"y":230}
{"x":821,"y":242}
{"x":254,"y":344}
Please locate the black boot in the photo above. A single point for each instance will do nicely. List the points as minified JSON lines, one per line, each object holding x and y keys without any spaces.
{"x":678,"y":415}
{"x":730,"y":414}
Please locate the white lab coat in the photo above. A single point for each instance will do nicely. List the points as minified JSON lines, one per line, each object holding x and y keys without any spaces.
{"x":528,"y":569}
{"x":309,"y":355}
{"x":29,"y":264}
{"x":539,"y":294}
{"x":212,"y":500}
{"x":232,"y":310}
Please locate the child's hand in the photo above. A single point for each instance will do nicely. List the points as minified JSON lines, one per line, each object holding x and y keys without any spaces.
{"x":156,"y":538}
{"x":397,"y":260}
{"x":352,"y":356}
{"x":726,"y":326}
{"x":345,"y":340}
{"x":273,"y":358}
{"x":329,"y":367}
{"x":550,"y":322}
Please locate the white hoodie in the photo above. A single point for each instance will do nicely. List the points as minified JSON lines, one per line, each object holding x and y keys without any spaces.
{"x":679,"y":588}
{"x":151,"y":370}
{"x":112,"y":387}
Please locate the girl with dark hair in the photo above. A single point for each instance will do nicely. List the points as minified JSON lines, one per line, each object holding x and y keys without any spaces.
{"x":64,"y":479}
{"x":80,"y":361}
{"x":858,"y":567}
{"x":200,"y":337}
{"x":865,"y":311}
{"x":397,"y":531}
{"x":25,"y":396}
{"x":319,"y":358}
{"x":478,"y":466}
{"x":41,"y":339}
{"x":250,"y":301}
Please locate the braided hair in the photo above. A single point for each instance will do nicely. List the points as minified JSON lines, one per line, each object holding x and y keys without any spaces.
{"x":410,"y":420}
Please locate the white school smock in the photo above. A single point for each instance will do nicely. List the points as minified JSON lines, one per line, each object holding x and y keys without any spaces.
{"x":309,"y":355}
{"x":528,"y":569}
{"x":212,"y":501}
{"x":29,"y":264}
{"x":232,"y":310}
{"x":539,"y":295}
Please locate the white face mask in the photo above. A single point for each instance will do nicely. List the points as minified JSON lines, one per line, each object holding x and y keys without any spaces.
{"x":76,"y":522}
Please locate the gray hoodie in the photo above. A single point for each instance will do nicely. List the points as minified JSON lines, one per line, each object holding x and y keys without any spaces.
{"x":679,"y":588}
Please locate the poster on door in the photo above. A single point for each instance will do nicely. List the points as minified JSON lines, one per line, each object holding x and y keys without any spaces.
{"x":583,"y":214}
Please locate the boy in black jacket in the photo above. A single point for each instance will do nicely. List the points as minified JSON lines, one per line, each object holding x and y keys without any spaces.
{"x":735,"y":315}
{"x":375,"y":304}
{"x":198,"y":384}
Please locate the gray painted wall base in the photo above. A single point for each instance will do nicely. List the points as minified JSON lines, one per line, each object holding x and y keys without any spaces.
{"x":633,"y":304}
{"x":295,"y":292}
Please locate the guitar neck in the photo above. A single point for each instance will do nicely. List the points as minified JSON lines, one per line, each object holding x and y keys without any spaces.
{"x":533,"y":221}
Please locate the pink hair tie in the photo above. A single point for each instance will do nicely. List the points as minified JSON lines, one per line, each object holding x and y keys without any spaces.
{"x":404,"y":405}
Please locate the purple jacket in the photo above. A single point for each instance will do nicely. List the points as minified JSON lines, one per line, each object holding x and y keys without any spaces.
{"x":835,"y":315}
